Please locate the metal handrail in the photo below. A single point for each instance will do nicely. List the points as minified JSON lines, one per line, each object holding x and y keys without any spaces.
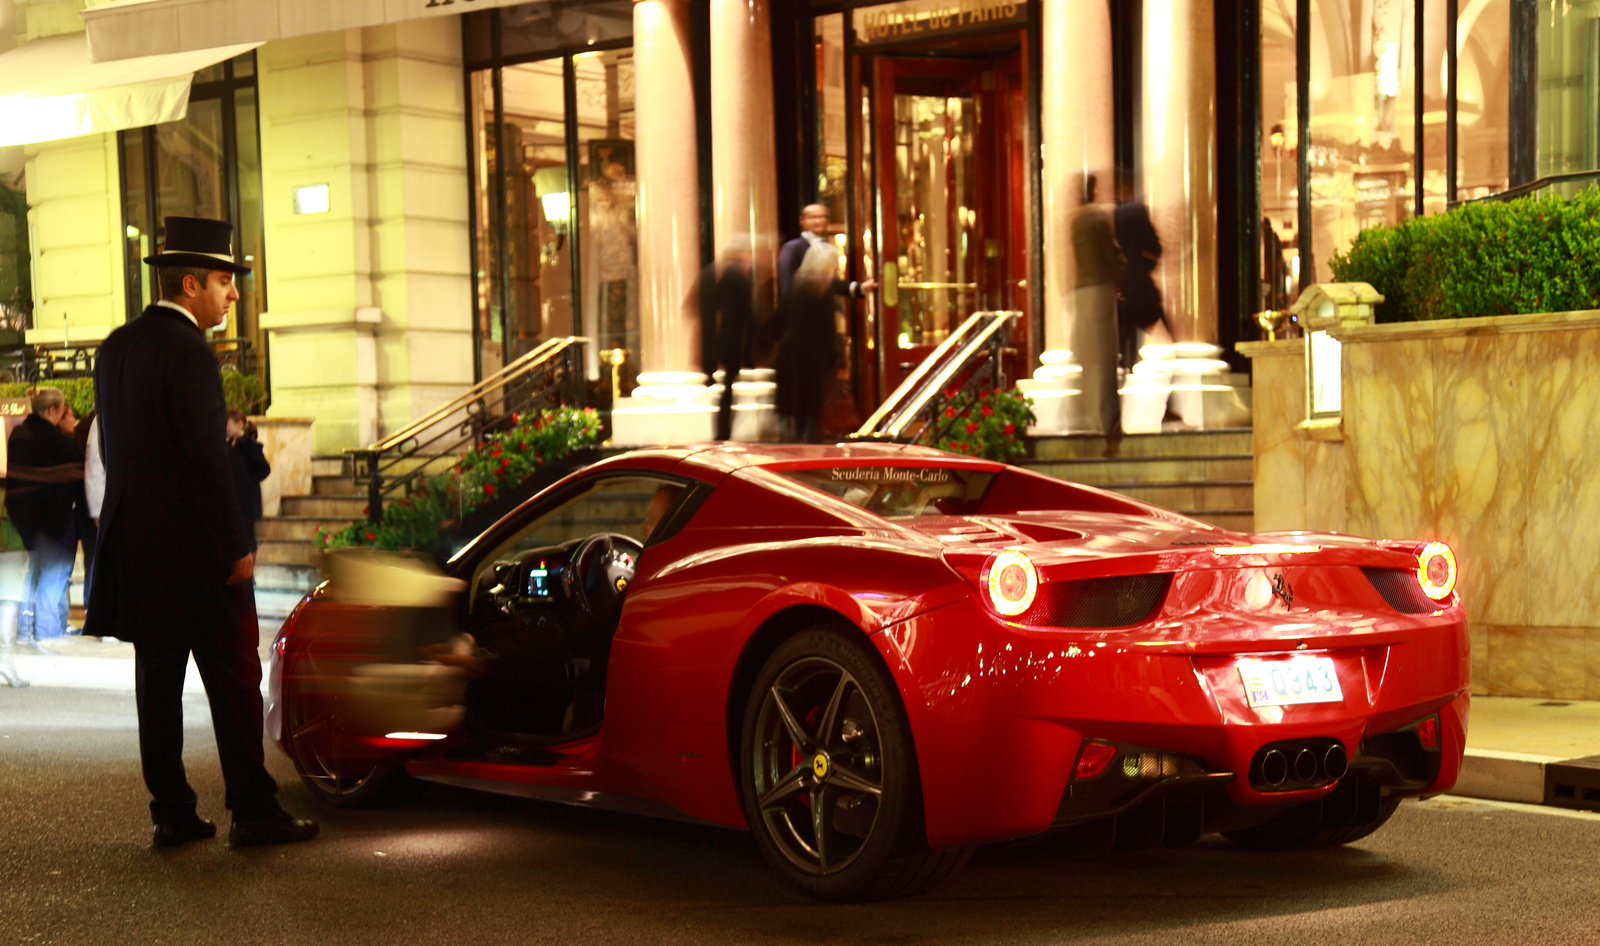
{"x":1523,"y":190}
{"x":980,"y":333}
{"x":526,"y":364}
{"x":376,"y":466}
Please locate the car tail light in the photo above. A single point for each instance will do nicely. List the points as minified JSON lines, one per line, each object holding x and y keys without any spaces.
{"x":1094,"y":759}
{"x":1436,"y":570}
{"x":1012,"y":582}
{"x":1428,"y":732}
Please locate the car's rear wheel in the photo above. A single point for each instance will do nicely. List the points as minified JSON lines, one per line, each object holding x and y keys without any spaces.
{"x":320,"y":749}
{"x":1354,"y":809}
{"x":828,"y":773}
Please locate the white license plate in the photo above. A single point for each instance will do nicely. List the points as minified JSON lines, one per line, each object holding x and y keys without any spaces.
{"x":1292,"y":681}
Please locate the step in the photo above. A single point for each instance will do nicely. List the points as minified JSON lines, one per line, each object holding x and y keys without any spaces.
{"x":329,"y":466}
{"x":298,"y":579}
{"x":303,"y":528}
{"x":1234,"y":520}
{"x":341,"y":484}
{"x":1201,"y":468}
{"x":348,"y":508}
{"x":1220,"y":495}
{"x":287,"y":552}
{"x":1230,"y":440}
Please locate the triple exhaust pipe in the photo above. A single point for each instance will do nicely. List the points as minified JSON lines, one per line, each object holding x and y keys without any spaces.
{"x":1282,"y":767}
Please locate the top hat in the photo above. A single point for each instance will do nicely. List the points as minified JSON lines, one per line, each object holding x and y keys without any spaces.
{"x":196,"y":241}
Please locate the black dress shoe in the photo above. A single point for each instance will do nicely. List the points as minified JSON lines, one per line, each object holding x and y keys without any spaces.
{"x":282,"y":830}
{"x":182,"y":832}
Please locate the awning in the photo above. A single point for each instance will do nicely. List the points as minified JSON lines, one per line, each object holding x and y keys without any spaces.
{"x":126,"y":28}
{"x":49,"y":89}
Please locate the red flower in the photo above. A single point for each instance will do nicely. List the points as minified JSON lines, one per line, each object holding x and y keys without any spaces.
{"x":983,"y":393}
{"x":488,"y":489}
{"x":371,"y":537}
{"x":972,"y":427}
{"x":949,"y":392}
{"x":949,"y":412}
{"x":1010,"y":429}
{"x":405,"y":502}
{"x":516,"y":418}
{"x":496,"y":450}
{"x":366,"y":510}
{"x":988,"y":411}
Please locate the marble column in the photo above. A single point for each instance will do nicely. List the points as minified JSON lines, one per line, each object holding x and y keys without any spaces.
{"x":667,"y":168}
{"x":1180,"y":155}
{"x":1077,"y":136}
{"x":743,"y":144}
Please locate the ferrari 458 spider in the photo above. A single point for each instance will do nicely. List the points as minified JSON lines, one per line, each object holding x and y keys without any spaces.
{"x":876,"y":657}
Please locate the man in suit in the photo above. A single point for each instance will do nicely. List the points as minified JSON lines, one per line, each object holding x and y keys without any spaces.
{"x":45,"y":501}
{"x":813,"y":229}
{"x":173,"y":569}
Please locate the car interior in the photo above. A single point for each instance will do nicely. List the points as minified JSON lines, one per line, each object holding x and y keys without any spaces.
{"x":545,"y":603}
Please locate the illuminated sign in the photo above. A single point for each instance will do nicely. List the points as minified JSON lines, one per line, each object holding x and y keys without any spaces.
{"x":933,"y":19}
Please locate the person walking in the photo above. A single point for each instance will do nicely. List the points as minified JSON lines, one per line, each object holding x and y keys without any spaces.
{"x":173,"y":569}
{"x":814,"y":230}
{"x":1094,"y":320}
{"x":806,"y":350}
{"x":248,"y":460}
{"x":43,"y":499}
{"x":729,"y":318}
{"x":1140,"y":307}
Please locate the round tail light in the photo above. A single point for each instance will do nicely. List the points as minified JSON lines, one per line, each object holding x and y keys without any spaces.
{"x":1012,"y":582}
{"x":1436,"y":570}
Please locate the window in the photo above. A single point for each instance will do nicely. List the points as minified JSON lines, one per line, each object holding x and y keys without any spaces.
{"x":554,"y":192}
{"x":206,"y":165}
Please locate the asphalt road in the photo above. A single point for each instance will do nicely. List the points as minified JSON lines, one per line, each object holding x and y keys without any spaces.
{"x":458,"y":867}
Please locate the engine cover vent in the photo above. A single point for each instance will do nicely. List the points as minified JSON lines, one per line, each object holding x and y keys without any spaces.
{"x":1118,"y":601}
{"x":1400,"y":588}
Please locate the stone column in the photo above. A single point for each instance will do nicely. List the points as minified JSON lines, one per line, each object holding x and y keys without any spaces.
{"x":743,"y":144}
{"x":1077,"y":136}
{"x":1180,"y":153}
{"x":669,"y":196}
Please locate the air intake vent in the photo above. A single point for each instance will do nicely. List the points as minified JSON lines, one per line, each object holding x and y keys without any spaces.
{"x":1400,"y":588}
{"x":1097,"y":602}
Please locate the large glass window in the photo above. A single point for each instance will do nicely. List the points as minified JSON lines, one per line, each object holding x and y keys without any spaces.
{"x":16,"y":286}
{"x":1569,"y":87}
{"x":206,"y":165}
{"x":554,"y":190}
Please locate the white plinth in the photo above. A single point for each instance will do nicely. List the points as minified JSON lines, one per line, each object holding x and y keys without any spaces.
{"x":661,"y":425}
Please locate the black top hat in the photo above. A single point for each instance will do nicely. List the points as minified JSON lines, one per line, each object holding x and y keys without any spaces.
{"x":196,"y":241}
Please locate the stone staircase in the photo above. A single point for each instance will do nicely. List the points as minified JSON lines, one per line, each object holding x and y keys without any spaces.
{"x":1206,"y":474}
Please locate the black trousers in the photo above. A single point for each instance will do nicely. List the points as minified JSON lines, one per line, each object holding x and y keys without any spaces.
{"x":231,"y":671}
{"x":731,"y":362}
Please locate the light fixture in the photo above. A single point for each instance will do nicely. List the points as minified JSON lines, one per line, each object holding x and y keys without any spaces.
{"x":1436,"y":570}
{"x":557,"y":208}
{"x":312,"y":199}
{"x":1012,"y":582}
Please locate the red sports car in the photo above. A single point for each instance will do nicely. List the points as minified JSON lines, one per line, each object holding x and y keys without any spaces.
{"x":875,"y":657}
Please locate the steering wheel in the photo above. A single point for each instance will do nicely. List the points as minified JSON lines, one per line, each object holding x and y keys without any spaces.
{"x":602,"y":569}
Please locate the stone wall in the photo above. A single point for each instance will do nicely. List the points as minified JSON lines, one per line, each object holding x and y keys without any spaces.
{"x":1482,"y":433}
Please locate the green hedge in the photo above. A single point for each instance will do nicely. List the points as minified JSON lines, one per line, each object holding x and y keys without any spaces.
{"x":242,"y":391}
{"x":1489,"y":258}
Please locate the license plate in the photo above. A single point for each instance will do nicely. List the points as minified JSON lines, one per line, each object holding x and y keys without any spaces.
{"x":1292,"y":681}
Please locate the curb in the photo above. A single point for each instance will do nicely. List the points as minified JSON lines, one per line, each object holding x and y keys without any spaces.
{"x":95,"y":673}
{"x":1503,"y":776}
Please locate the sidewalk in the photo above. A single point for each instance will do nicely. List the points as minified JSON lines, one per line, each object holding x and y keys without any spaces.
{"x":1520,"y":750}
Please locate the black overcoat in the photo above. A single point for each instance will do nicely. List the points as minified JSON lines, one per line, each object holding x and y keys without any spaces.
{"x":170,"y":528}
{"x":46,"y":481}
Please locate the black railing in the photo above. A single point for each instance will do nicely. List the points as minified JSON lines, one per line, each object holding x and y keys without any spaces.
{"x":551,"y":375}
{"x":969,"y":360}
{"x":1533,"y":187}
{"x":54,"y":361}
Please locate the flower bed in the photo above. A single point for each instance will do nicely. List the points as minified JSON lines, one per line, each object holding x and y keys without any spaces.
{"x":986,"y":425}
{"x":421,"y":520}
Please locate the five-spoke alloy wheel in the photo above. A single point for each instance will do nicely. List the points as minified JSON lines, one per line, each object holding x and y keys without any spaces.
{"x":320,"y":747}
{"x":829,"y":773}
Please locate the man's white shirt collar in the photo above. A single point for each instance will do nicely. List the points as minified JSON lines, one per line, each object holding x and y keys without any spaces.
{"x":811,"y":237}
{"x":186,"y":313}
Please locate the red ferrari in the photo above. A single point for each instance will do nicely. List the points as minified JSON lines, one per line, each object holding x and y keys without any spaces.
{"x":875,"y":657}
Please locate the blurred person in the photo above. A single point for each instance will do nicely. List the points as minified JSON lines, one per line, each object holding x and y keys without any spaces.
{"x":660,"y":501}
{"x":1099,"y":263}
{"x":814,"y":230}
{"x":1140,"y":308}
{"x":44,"y":497}
{"x":87,"y":513}
{"x":806,"y":350}
{"x":729,"y":316}
{"x":249,"y":462}
{"x":94,"y":475}
{"x":174,"y":565}
{"x":13,"y":574}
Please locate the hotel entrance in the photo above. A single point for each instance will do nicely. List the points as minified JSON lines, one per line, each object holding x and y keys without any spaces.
{"x":942,"y":190}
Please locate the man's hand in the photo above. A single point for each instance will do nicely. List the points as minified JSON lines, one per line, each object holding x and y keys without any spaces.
{"x":243,"y":570}
{"x":868,"y":285}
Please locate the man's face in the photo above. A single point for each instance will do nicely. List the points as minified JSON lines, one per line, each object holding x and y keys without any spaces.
{"x":814,"y":219}
{"x":67,"y":420}
{"x":210,"y":303}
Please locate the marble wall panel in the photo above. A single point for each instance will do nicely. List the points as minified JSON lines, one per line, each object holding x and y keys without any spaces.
{"x":1277,"y":404}
{"x":1537,"y":661}
{"x":1389,"y":438}
{"x":1481,"y":420}
{"x":1591,"y":663}
{"x":1327,"y":479}
{"x":1563,"y":533}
